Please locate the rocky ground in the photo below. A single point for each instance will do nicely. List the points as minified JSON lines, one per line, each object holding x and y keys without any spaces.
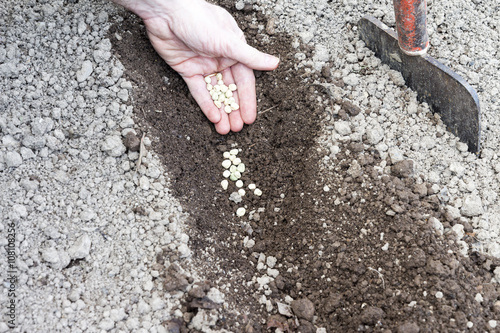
{"x":372,"y":216}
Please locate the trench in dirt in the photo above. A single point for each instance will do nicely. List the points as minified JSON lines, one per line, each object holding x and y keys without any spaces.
{"x":328,"y":243}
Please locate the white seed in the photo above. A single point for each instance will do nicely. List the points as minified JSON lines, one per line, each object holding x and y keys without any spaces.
{"x":234,"y":106}
{"x":239,"y":183}
{"x":240,"y":211}
{"x":218,"y":104}
{"x":222,"y":97}
{"x":220,"y":82}
{"x":233,"y":177}
{"x":226,"y":154}
{"x":234,"y":151}
{"x":217,"y":87}
{"x":252,"y":187}
{"x":228,"y":109}
{"x":218,"y":76}
{"x":226,"y":173}
{"x":224,"y":184}
{"x":227,"y":102}
{"x":215,"y":96}
{"x":229,"y":93}
{"x":237,"y":174}
{"x":208,"y":79}
{"x":223,"y":88}
{"x":226,"y":164}
{"x":232,"y":87}
{"x":241,"y":167}
{"x":209,"y":86}
{"x":233,"y":168}
{"x":231,"y":100}
{"x":237,"y":161}
{"x":257,"y":192}
{"x":241,"y":192}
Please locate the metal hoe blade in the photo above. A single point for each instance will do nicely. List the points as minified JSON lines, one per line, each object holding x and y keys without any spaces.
{"x":445,"y":92}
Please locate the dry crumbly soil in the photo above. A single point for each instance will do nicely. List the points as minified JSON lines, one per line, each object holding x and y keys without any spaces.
{"x":330,"y":244}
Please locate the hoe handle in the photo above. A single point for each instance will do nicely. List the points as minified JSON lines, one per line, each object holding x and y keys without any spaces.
{"x":411,"y":24}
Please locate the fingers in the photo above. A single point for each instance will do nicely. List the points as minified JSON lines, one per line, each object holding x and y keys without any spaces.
{"x":198,"y":89}
{"x":245,"y":80}
{"x":235,"y":116}
{"x":240,"y":51}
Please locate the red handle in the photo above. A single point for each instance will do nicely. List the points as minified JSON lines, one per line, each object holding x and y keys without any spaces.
{"x":411,"y":24}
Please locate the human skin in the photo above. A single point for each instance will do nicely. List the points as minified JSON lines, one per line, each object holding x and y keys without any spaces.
{"x":196,"y":38}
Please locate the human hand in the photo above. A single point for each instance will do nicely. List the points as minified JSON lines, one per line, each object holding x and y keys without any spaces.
{"x":197,"y":38}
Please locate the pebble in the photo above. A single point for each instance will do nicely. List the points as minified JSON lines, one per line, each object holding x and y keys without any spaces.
{"x":472,"y":206}
{"x":85,"y":71}
{"x":13,"y":159}
{"x":351,"y":79}
{"x":303,"y":308}
{"x":113,"y":146}
{"x":374,"y":135}
{"x":342,"y":127}
{"x":81,"y":248}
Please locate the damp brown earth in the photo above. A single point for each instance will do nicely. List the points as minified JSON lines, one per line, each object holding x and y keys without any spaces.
{"x":360,"y":255}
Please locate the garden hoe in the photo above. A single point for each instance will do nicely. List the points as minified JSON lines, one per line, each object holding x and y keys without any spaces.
{"x":405,"y":51}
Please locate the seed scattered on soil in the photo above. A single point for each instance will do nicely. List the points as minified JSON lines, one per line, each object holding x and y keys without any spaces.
{"x":224,"y":184}
{"x":252,"y":187}
{"x":257,"y":192}
{"x":239,"y":183}
{"x":240,"y":211}
{"x":226,"y":164}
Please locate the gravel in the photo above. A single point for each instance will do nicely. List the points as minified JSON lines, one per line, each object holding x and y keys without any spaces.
{"x":89,"y":225}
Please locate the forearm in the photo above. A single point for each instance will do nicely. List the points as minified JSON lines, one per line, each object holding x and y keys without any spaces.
{"x":147,"y":9}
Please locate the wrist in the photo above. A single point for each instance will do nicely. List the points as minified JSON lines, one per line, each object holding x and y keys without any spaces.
{"x":147,"y":9}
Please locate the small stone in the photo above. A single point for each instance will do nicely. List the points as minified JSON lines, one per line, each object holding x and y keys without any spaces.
{"x":396,"y":155}
{"x":402,"y":169}
{"x":235,"y":197}
{"x":459,"y":230}
{"x":81,"y":248}
{"x":374,"y":135}
{"x":437,"y":225}
{"x":472,"y":206}
{"x":13,"y":159}
{"x":462,"y":147}
{"x":439,"y":295}
{"x":113,"y":145}
{"x":351,"y":79}
{"x":144,"y":183}
{"x":106,"y":324}
{"x":303,"y":308}
{"x":371,"y":315}
{"x":56,"y":259}
{"x":342,"y":127}
{"x":132,"y":142}
{"x":86,"y":70}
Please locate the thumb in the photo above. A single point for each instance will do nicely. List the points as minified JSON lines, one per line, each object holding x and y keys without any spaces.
{"x":251,"y":57}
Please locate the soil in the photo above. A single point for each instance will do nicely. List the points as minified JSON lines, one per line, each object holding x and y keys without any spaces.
{"x":330,"y":245}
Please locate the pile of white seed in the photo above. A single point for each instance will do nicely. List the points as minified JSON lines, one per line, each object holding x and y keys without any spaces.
{"x":234,"y":168}
{"x":221,"y":93}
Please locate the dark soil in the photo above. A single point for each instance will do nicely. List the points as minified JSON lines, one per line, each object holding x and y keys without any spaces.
{"x":328,"y":243}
